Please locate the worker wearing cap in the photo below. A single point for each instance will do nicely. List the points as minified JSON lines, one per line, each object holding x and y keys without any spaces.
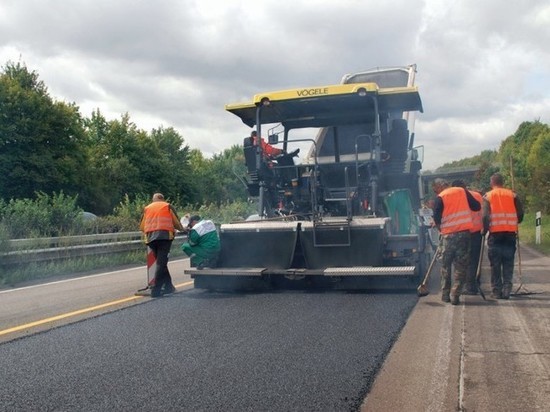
{"x":452,"y":216}
{"x":502,"y":212}
{"x":203,"y":245}
{"x":159,"y":223}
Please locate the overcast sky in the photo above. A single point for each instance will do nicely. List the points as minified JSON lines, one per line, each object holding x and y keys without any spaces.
{"x":483,"y":65}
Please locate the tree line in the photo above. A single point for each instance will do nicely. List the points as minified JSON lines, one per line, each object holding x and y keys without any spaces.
{"x":49,"y":147}
{"x":523,"y":159}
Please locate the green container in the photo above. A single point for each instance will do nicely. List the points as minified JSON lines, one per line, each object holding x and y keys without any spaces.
{"x":399,"y":208}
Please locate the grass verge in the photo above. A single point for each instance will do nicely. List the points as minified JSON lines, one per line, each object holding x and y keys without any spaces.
{"x":527,"y":234}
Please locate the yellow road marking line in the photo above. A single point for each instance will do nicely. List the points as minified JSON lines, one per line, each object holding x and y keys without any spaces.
{"x":76,"y":312}
{"x":190,"y":282}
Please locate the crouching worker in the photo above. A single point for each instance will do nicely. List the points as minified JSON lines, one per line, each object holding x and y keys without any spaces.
{"x":203,"y":245}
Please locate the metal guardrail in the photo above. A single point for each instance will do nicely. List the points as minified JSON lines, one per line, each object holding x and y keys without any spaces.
{"x":67,"y":247}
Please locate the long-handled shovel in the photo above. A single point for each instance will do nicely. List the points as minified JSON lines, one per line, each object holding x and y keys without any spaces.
{"x":478,"y":272}
{"x":517,"y":238}
{"x":521,"y":286}
{"x":422,"y":289}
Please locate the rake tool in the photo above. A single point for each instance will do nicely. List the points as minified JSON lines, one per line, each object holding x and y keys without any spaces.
{"x":517,"y":239}
{"x":519,"y":272}
{"x":422,"y":289}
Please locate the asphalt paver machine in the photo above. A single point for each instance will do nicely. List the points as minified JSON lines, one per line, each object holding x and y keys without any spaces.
{"x":348,"y":215}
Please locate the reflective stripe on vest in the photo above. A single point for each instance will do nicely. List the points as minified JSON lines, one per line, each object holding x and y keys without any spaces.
{"x":503,"y":217}
{"x":477,"y":219}
{"x":204,"y":227}
{"x":158,"y":217}
{"x":457,"y":215}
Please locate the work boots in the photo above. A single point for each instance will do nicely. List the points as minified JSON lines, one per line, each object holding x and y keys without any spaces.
{"x":505,"y":293}
{"x":496,"y":294}
{"x":453,"y":299}
{"x":470,"y":289}
{"x":156,"y":292}
{"x":168,"y":289}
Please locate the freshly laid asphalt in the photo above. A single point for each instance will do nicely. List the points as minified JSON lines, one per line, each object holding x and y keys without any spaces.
{"x":199,"y":351}
{"x":293,"y":351}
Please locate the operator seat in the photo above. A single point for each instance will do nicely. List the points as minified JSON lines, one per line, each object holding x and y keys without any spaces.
{"x":250,"y":162}
{"x":264,"y":172}
{"x":250,"y":157}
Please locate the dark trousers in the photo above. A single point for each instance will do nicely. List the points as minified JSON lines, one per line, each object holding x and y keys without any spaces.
{"x":475,"y":248}
{"x":502,"y":249}
{"x":161,"y":250}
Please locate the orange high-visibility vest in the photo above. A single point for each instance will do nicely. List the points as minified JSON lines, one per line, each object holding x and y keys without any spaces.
{"x":477,"y":219}
{"x":457,"y":215}
{"x":503,"y":217}
{"x":158,"y":217}
{"x":268,"y":150}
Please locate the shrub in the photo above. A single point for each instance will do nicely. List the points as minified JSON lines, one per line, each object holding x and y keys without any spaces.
{"x":131,"y":210}
{"x":58,"y":215}
{"x":45,"y":216}
{"x":225,"y":213}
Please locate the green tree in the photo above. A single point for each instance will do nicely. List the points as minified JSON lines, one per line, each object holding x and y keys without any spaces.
{"x":514,"y":152}
{"x":217,"y":179}
{"x":227,"y":168}
{"x":127,"y":161}
{"x":40,"y":139}
{"x":113,"y":171}
{"x":486,"y":163}
{"x":483,"y":175}
{"x":486,"y":156}
{"x":538,"y":169}
{"x":177,"y":180}
{"x":204,"y":181}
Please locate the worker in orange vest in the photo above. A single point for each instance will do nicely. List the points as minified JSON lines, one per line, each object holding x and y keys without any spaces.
{"x":159,"y":223}
{"x":502,"y":212}
{"x":269,"y":152}
{"x":453,"y":218}
{"x":471,"y":287}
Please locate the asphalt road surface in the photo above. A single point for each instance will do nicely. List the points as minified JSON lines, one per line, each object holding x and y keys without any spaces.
{"x":201,"y":351}
{"x":482,"y":355}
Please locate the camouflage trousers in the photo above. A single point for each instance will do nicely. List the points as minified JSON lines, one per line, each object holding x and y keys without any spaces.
{"x":455,"y":251}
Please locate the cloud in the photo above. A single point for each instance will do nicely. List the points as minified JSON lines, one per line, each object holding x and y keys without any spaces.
{"x":483,"y":67}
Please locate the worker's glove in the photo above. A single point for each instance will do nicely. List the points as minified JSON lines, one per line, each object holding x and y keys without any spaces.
{"x":294,"y":153}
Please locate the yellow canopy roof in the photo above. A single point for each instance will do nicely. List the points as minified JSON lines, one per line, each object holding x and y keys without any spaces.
{"x":331,"y":105}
